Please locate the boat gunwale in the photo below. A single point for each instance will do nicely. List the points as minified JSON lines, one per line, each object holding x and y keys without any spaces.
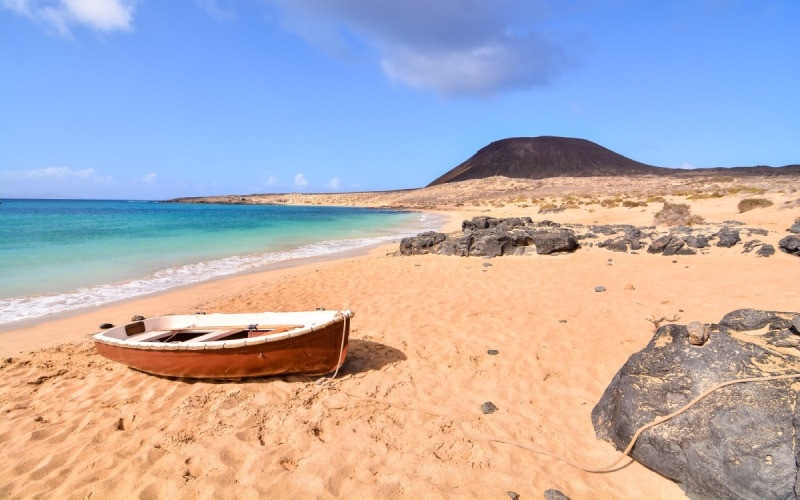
{"x":217,"y":345}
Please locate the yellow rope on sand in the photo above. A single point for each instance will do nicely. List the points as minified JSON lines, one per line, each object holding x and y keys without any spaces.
{"x":607,"y":468}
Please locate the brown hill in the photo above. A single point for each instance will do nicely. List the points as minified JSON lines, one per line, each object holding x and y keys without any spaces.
{"x":546,"y":156}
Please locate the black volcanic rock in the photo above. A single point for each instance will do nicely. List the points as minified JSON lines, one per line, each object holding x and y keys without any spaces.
{"x":543,"y":157}
{"x":738,"y":442}
{"x":790,"y":245}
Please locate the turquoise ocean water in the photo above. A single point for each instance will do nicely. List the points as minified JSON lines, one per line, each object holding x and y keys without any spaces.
{"x":61,"y":255}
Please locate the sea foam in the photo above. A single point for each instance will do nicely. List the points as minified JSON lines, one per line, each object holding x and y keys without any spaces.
{"x":30,"y":307}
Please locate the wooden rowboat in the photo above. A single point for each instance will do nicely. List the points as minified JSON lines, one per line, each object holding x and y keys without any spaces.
{"x":231,"y":346}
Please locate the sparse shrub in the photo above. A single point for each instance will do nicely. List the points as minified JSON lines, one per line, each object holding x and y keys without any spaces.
{"x":571,"y":204}
{"x":656,"y":199}
{"x":610,"y":203}
{"x":552,"y":208}
{"x":748,"y":204}
{"x":633,"y":204}
{"x":746,"y":189}
{"x":676,"y":214}
{"x":703,"y":196}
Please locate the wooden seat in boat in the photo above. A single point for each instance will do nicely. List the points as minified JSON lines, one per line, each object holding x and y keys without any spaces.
{"x":209,"y":333}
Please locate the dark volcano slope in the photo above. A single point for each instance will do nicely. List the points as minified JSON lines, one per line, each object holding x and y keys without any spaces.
{"x":543,"y":157}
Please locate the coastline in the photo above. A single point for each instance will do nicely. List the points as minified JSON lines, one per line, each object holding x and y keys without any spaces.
{"x":419,"y":343}
{"x":174,"y":270}
{"x":37,"y":333}
{"x":73,"y":325}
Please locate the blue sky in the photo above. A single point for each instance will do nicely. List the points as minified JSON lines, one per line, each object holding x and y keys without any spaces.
{"x":154,"y":99}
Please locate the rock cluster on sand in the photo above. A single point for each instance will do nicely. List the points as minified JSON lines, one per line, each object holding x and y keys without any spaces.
{"x":493,"y":237}
{"x":740,"y":441}
{"x":490,"y":237}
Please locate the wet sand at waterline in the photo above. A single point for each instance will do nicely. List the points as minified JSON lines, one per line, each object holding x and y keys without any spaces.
{"x":76,"y":425}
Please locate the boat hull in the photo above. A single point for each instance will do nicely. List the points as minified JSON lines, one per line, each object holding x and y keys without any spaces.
{"x":318,"y":352}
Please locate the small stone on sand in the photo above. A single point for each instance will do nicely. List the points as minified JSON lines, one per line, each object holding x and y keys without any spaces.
{"x":492,"y":352}
{"x":488,"y":407}
{"x":599,"y":289}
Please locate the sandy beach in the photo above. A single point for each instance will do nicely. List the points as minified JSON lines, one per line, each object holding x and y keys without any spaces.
{"x":404,"y":415}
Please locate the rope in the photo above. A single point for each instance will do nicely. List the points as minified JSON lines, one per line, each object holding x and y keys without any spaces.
{"x":606,"y":468}
{"x":339,"y":363}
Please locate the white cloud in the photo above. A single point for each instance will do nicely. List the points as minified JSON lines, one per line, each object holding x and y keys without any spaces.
{"x":270,"y":181}
{"x":61,"y":15}
{"x":57,"y":173}
{"x":149,"y":178}
{"x":300,"y":180}
{"x":454,"y":47}
{"x":333,"y":184}
{"x":687,"y":166}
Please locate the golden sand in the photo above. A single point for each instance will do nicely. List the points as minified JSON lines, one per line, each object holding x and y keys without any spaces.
{"x":76,"y":425}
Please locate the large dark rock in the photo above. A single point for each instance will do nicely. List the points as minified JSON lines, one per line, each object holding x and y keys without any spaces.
{"x":795,"y":228}
{"x":478,"y":223}
{"x":614,"y":245}
{"x":489,"y":245}
{"x":674,"y":245}
{"x":456,"y":246}
{"x":727,"y":237}
{"x":422,"y":243}
{"x":659,"y":244}
{"x":790,"y":244}
{"x":747,"y":320}
{"x":511,"y":223}
{"x":697,"y":241}
{"x":742,"y":441}
{"x":559,"y":240}
{"x":481,"y":222}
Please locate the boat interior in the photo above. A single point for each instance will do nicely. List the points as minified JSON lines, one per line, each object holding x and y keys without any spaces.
{"x":136,"y":332}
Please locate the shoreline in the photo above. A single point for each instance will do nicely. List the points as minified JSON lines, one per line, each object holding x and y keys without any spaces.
{"x":97,"y":292}
{"x":34,"y":330}
{"x":73,"y":325}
